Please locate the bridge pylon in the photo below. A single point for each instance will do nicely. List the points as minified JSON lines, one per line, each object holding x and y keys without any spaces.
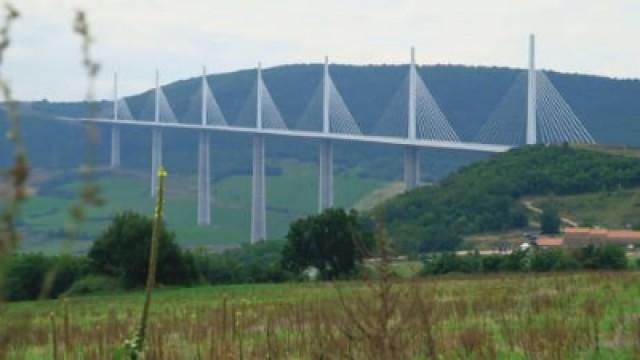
{"x":258,"y":194}
{"x":411,"y":154}
{"x":156,"y":141}
{"x":532,"y":123}
{"x":325,"y":180}
{"x":115,"y":129}
{"x":204,"y":170}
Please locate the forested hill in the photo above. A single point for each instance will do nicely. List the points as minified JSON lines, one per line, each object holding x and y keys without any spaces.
{"x":483,"y":196}
{"x":467,"y":95}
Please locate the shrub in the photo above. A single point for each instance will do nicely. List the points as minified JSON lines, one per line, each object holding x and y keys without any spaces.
{"x":334,"y":242}
{"x":94,"y":284}
{"x":449,"y":262}
{"x":122,"y":250}
{"x":260,"y":262}
{"x":514,"y":262}
{"x":65,"y":270}
{"x":550,"y":220}
{"x":215,"y":269}
{"x":609,"y":257}
{"x":492,"y":263}
{"x":24,"y":276}
{"x":552,"y":260}
{"x":440,"y":239}
{"x":32,"y":276}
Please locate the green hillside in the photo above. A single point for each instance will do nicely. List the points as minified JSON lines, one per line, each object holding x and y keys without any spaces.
{"x":615,"y":209}
{"x":466,"y":95}
{"x":486,"y":196}
{"x":291,"y":193}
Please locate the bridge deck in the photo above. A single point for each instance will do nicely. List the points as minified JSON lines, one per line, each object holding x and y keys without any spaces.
{"x":493,"y":148}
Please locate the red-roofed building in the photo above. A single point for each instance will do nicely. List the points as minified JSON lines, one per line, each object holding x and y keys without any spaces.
{"x":581,"y":237}
{"x":549,"y":242}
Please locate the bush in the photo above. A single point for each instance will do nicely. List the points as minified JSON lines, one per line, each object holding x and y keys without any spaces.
{"x":514,"y":262}
{"x":440,"y":239}
{"x":609,"y":257}
{"x":260,"y":262}
{"x":215,"y":269}
{"x":334,"y":242}
{"x":66,"y":270}
{"x":122,"y":250}
{"x":24,"y":277}
{"x":536,"y":260}
{"x":32,"y":276}
{"x":450,"y":262}
{"x":552,"y":260}
{"x":492,"y":263}
{"x":550,"y":220}
{"x":94,"y":284}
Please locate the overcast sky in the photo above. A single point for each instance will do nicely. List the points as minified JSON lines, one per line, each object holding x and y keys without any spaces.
{"x":136,"y":36}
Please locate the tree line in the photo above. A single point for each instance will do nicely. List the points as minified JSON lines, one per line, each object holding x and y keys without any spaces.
{"x":484,"y":196}
{"x":333,"y":243}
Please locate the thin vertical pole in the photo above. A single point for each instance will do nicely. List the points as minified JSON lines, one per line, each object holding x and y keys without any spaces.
{"x":532,"y":121}
{"x":412,"y":97}
{"x":258,"y":194}
{"x":156,"y":140}
{"x":259,"y":97}
{"x":325,"y":181}
{"x":203,"y":109}
{"x":325,"y":97}
{"x":115,"y":129}
{"x":204,"y":173}
{"x":115,"y":96}
{"x":411,"y":155}
{"x":156,"y":113}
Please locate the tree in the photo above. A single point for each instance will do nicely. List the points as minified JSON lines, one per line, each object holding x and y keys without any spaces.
{"x":333,"y":242}
{"x":609,"y":257}
{"x":24,"y":277}
{"x":439,"y":239}
{"x":550,"y":220}
{"x":122,"y":250}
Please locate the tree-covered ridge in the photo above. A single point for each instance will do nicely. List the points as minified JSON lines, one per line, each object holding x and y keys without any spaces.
{"x":483,"y":196}
{"x":467,"y":96}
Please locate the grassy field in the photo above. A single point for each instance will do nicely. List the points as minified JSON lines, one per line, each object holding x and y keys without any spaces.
{"x":290,"y":195}
{"x":554,"y":316}
{"x":610,"y":209}
{"x":613,"y":149}
{"x":379,"y":196}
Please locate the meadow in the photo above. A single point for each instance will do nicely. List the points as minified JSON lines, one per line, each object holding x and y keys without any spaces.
{"x":45,"y":214}
{"x":511,"y":316}
{"x":616,"y":209}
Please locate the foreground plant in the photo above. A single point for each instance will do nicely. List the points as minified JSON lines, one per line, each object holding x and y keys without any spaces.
{"x":17,"y":174}
{"x":133,"y":348}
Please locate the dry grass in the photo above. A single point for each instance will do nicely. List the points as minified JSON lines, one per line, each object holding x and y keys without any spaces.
{"x":521,"y":316}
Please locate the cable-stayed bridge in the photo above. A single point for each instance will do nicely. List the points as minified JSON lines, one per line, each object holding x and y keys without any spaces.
{"x":531,"y":111}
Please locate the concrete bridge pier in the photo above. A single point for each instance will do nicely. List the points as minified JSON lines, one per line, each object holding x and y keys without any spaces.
{"x":411,"y":167}
{"x":156,"y":158}
{"x":325,"y":189}
{"x":258,"y":195}
{"x":204,"y":180}
{"x":115,"y":147}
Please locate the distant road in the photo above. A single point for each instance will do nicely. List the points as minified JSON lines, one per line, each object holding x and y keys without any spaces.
{"x":529,"y":205}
